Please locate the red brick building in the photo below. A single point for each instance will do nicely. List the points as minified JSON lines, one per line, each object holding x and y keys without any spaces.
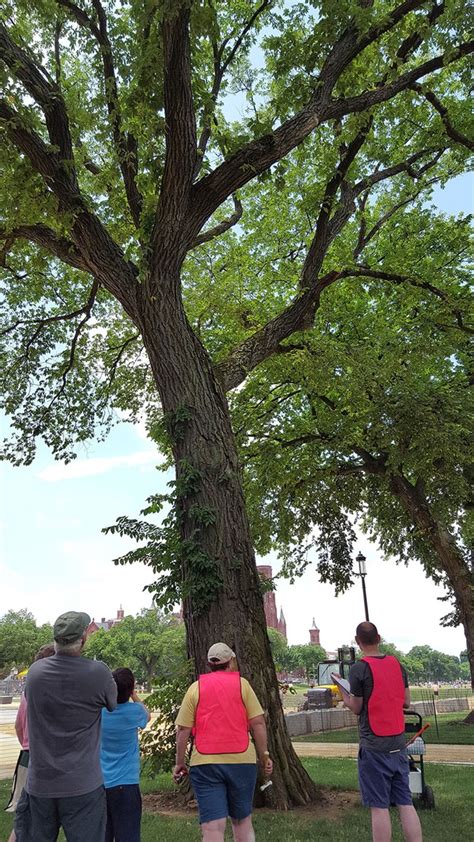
{"x":94,"y":626}
{"x":269,"y":603}
{"x":314,"y":634}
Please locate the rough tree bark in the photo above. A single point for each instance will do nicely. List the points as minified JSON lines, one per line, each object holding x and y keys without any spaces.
{"x":185,"y":378}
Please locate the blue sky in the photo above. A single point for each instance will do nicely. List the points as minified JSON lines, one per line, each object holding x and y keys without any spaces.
{"x":53,"y":557}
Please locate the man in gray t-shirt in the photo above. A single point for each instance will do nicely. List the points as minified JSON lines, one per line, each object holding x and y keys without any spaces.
{"x":66,"y":694}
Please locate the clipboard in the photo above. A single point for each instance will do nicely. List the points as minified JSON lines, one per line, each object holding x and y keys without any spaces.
{"x":342,"y":683}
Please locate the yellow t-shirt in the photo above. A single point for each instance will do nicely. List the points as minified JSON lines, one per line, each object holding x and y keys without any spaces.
{"x":187,"y":715}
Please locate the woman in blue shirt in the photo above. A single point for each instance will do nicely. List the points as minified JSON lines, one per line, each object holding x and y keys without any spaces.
{"x":120,"y":760}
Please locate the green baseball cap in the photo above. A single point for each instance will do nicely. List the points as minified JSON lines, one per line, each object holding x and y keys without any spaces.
{"x":70,"y":626}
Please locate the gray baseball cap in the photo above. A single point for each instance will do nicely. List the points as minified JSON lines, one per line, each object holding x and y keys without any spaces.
{"x":220,"y":653}
{"x":70,"y":626}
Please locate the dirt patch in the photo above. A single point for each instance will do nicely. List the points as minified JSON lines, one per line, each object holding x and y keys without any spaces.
{"x":332,"y":804}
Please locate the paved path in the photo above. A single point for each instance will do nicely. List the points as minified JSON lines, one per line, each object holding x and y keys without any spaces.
{"x":439,"y":753}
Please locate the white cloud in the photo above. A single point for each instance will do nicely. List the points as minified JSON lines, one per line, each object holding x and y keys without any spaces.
{"x":57,"y":472}
{"x":82,"y":578}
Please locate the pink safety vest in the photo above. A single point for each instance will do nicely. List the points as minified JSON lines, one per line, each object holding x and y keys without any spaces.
{"x":385,"y":705}
{"x":221,"y":716}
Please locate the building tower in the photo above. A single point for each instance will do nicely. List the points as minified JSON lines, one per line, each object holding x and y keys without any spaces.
{"x":269,"y":603}
{"x":282,"y":624}
{"x":314,"y":634}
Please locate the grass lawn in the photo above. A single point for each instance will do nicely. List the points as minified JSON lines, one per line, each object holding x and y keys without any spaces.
{"x":451,"y":785}
{"x":451,"y":731}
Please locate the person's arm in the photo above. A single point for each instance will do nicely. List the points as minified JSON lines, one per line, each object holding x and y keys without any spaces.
{"x":354,"y":703}
{"x":138,"y":701}
{"x":20,"y":721}
{"x":407,"y":700}
{"x":258,"y":730}
{"x":110,"y":691}
{"x":355,"y":699}
{"x":182,"y":736}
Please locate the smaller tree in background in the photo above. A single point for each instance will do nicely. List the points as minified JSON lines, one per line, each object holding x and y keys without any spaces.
{"x":20,"y":639}
{"x":305,"y":656}
{"x":151,"y":644}
{"x":279,"y":648}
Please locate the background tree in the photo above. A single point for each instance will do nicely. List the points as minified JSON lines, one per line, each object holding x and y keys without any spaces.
{"x":279,"y":648}
{"x":304,"y":656}
{"x":20,"y":639}
{"x":117,"y":153}
{"x":152,"y":645}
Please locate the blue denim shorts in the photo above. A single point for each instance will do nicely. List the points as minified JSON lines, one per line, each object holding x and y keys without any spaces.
{"x":224,"y":789}
{"x":383,"y":778}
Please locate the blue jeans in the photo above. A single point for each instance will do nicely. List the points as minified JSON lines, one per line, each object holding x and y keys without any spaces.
{"x":124,"y":813}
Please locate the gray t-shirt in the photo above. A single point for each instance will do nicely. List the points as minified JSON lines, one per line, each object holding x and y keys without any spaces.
{"x":362,"y":684}
{"x":65,"y":695}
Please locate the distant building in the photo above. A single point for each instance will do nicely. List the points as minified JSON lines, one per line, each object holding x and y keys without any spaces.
{"x":269,"y":604}
{"x":95,"y":625}
{"x":314,"y":634}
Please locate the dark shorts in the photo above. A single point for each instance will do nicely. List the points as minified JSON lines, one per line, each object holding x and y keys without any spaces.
{"x":383,"y":778}
{"x":82,"y":817}
{"x":224,"y":789}
{"x":124,"y":813}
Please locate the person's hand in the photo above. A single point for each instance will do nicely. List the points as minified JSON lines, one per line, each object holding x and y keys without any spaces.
{"x":180,"y":771}
{"x":135,"y":697}
{"x":267,"y":764}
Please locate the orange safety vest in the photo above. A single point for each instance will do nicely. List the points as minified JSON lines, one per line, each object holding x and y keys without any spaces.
{"x":221,"y":716}
{"x":385,"y":705}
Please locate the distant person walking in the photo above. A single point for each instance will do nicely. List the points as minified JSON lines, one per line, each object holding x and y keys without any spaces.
{"x":379,"y":694}
{"x":220,"y":709}
{"x":21,"y":770}
{"x":120,"y":760}
{"x":65,"y":695}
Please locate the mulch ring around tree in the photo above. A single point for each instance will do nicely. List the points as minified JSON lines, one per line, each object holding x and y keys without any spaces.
{"x":332,"y":804}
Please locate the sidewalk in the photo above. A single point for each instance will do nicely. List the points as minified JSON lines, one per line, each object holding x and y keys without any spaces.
{"x":438,"y":753}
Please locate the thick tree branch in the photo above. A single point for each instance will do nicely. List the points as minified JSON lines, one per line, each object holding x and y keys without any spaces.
{"x":300,"y":313}
{"x":45,"y":160}
{"x":327,"y":228}
{"x":443,"y":112}
{"x":45,"y":237}
{"x":393,"y":277}
{"x":124,"y":143}
{"x":47,"y":94}
{"x":351,"y":43}
{"x":180,"y":134}
{"x":221,"y":227}
{"x":101,"y":255}
{"x":367,"y":99}
{"x":258,"y":155}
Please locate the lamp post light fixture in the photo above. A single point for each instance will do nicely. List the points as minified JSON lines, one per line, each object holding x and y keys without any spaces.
{"x":360,"y":559}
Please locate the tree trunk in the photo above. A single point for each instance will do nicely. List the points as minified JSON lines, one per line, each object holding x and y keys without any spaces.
{"x":225,"y":602}
{"x":449,"y":558}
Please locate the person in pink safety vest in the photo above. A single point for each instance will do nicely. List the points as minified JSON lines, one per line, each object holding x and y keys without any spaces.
{"x":221,"y":711}
{"x":379,"y":694}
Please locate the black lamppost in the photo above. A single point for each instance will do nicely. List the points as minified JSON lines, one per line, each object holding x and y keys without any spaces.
{"x":360,"y":559}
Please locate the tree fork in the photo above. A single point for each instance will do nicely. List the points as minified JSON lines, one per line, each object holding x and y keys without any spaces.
{"x":184,"y":376}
